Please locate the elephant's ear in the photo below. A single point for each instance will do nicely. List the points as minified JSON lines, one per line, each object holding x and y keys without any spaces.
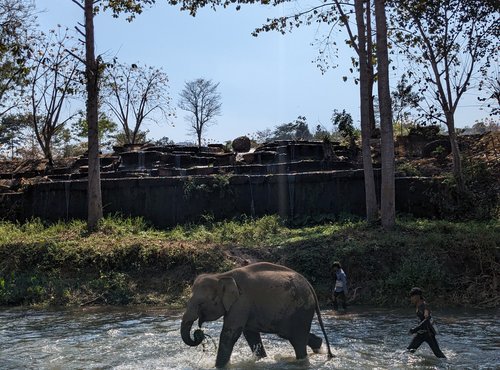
{"x":229,"y":292}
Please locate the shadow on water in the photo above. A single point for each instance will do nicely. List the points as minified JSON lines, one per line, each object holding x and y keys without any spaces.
{"x":145,"y":338}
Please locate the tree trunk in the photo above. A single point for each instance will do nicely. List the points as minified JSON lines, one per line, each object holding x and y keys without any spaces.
{"x":47,"y":151}
{"x":387,"y":195}
{"x":94,"y":197}
{"x":455,"y":151}
{"x":364,"y":91}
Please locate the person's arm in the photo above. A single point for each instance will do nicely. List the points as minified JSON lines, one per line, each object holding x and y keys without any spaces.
{"x":424,"y":324}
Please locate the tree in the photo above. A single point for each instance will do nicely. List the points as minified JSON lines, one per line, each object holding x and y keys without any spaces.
{"x":362,"y":48}
{"x":321,"y":133}
{"x":164,"y":141}
{"x":491,"y":84}
{"x":482,"y":127}
{"x":120,"y":139}
{"x":295,"y":130}
{"x":403,"y":100}
{"x":263,"y":136}
{"x":134,"y":94}
{"x":388,"y":187}
{"x":52,"y":82}
{"x":106,"y":129}
{"x":12,"y":132}
{"x":16,"y":20}
{"x":202,"y":101}
{"x":449,"y":43}
{"x":93,"y":70}
{"x":345,"y":125}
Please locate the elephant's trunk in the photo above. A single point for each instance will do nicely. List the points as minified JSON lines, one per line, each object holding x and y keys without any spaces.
{"x":186,"y":326}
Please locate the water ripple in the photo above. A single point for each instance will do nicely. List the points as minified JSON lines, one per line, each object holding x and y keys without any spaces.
{"x":140,"y":338}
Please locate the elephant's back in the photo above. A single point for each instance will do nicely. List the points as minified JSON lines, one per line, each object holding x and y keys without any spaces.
{"x":260,"y":267}
{"x":276,"y":285}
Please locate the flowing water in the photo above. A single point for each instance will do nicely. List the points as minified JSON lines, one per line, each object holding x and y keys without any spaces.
{"x":145,"y":338}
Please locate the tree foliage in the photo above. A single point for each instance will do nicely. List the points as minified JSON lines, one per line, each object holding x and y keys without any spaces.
{"x":107,"y":129}
{"x":295,"y":130}
{"x":16,"y":21}
{"x":13,"y":129}
{"x":129,"y":7}
{"x":344,"y":123}
{"x":404,"y":100}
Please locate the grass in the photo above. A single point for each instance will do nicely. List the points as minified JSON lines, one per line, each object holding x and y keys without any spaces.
{"x":127,"y":261}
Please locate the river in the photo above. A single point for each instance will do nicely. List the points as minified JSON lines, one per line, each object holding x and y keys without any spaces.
{"x":146,"y":338}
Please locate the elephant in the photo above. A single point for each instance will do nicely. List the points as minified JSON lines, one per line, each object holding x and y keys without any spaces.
{"x":257,"y":298}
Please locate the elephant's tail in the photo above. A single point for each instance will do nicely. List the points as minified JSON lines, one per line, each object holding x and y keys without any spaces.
{"x":320,"y":320}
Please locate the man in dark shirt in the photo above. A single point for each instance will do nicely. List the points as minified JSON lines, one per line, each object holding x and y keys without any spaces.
{"x":424,"y":331}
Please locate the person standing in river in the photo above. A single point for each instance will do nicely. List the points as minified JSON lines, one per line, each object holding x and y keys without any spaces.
{"x":424,"y":331}
{"x":339,"y":290}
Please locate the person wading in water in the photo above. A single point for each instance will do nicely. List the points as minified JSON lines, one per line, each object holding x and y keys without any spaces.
{"x":340,"y":289}
{"x":424,"y":331}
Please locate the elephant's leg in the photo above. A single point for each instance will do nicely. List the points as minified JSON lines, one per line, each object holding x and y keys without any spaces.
{"x":299,"y":345}
{"x":228,"y":338}
{"x":301,"y":326}
{"x":255,"y":342}
{"x":314,"y":342}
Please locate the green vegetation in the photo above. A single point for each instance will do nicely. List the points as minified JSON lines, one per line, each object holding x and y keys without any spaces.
{"x":129,"y":262}
{"x":219,"y":185}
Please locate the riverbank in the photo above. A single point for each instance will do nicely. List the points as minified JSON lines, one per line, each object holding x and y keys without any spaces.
{"x":128,"y":262}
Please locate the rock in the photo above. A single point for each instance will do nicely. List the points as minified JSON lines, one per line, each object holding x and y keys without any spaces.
{"x":248,"y":158}
{"x":241,"y":144}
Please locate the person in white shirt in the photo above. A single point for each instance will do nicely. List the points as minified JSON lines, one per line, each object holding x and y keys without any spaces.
{"x":340,"y":290}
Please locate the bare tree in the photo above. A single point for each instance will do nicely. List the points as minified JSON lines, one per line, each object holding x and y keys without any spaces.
{"x":134,"y":94}
{"x":202,"y":100}
{"x":53,"y":81}
{"x":491,"y":85}
{"x":449,"y":43}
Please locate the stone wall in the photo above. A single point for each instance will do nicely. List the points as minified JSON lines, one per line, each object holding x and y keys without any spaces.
{"x":167,"y":201}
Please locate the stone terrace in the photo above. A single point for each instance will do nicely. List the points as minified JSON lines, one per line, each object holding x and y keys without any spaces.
{"x":277,"y":157}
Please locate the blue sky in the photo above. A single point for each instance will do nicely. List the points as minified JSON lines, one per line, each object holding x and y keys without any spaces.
{"x":264,"y":81}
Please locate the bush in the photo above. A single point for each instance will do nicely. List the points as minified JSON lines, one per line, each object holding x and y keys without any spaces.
{"x":127,"y":262}
{"x":480,"y":200}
